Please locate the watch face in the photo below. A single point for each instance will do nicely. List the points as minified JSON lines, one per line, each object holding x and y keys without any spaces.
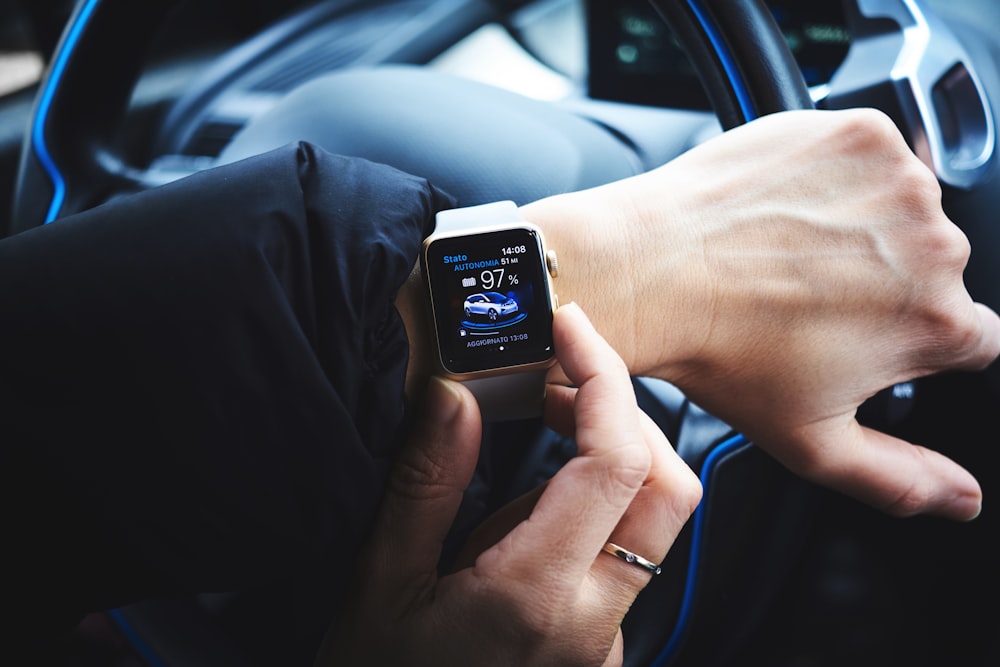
{"x":491,"y":301}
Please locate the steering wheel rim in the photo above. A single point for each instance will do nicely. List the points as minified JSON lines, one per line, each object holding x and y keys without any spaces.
{"x":740,"y":55}
{"x":69,"y":164}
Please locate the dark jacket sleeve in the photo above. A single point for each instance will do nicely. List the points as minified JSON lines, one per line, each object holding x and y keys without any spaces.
{"x":201,"y":385}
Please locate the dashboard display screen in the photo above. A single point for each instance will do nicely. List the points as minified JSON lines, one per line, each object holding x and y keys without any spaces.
{"x":490,"y":300}
{"x":632,"y":56}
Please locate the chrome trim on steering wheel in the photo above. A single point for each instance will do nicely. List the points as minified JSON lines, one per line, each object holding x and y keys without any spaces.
{"x":948,"y":118}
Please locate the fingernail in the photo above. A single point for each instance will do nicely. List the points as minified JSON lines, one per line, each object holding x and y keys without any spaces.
{"x":967,"y":508}
{"x":442,"y":401}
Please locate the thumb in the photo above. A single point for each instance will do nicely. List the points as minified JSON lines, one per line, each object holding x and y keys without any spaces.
{"x":425,"y":489}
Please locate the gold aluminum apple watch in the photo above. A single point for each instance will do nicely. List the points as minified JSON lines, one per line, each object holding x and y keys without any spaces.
{"x":488,"y":276}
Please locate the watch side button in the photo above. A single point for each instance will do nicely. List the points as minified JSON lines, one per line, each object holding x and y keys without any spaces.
{"x":552,"y":262}
{"x":555,"y":302}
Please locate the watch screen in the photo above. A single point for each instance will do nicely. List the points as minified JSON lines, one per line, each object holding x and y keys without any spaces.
{"x":491,"y":304}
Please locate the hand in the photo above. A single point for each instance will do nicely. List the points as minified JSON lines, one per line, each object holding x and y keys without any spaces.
{"x":780,"y":275}
{"x":543,"y":593}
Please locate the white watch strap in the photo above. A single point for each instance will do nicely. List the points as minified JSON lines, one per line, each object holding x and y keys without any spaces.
{"x":470,"y":217}
{"x":515,"y":395}
{"x":511,"y":396}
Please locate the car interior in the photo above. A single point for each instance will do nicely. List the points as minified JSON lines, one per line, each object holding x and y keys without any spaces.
{"x":521,"y":99}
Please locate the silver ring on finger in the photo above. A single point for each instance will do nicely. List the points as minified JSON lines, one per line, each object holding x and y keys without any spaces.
{"x":631,"y":558}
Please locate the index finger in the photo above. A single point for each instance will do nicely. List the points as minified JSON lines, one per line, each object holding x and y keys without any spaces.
{"x":585,"y":500}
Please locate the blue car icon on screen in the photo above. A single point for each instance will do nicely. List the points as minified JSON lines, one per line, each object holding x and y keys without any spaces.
{"x":492,"y":305}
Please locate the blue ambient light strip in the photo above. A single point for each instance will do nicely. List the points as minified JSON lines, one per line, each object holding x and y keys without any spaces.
{"x":729,"y":66}
{"x":743,"y":98}
{"x":697,"y":538}
{"x":151,"y":658}
{"x":45,"y":102}
{"x":41,"y":149}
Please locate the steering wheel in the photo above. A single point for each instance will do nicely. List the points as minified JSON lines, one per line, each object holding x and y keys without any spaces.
{"x":70,"y":162}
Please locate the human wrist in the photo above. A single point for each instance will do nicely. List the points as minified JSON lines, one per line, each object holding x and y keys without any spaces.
{"x":633,"y":268}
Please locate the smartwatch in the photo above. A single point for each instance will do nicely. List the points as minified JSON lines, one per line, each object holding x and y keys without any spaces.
{"x":491,"y":299}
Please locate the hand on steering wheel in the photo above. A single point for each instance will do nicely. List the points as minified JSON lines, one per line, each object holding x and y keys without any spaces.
{"x":787,"y":291}
{"x":535,"y":588}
